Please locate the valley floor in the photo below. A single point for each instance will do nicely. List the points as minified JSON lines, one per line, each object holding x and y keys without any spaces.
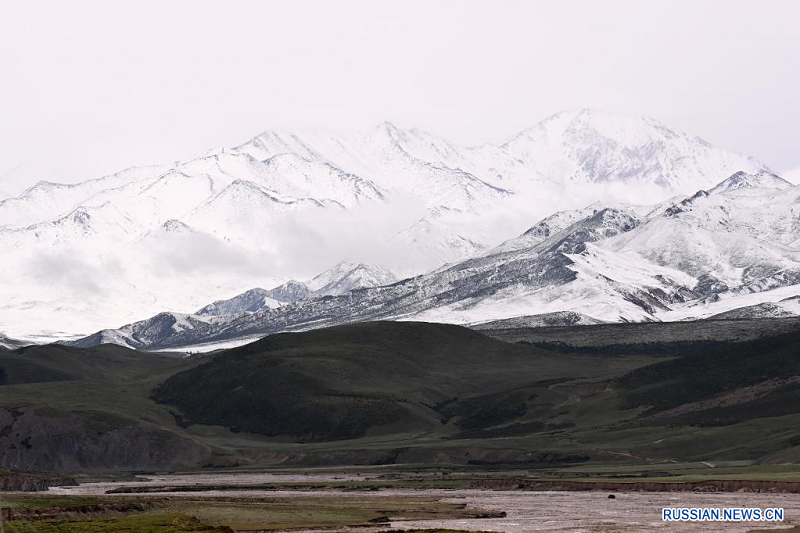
{"x":376,"y":499}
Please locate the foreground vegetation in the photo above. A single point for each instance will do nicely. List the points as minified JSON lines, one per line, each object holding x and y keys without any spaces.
{"x":168,"y":515}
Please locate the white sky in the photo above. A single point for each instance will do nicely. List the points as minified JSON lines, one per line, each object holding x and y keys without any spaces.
{"x":88,"y":88}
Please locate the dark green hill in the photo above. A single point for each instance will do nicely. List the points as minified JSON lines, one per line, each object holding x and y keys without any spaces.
{"x":72,"y":409}
{"x":341,"y":382}
{"x":723,"y":385}
{"x":55,"y":362}
{"x":402,"y":392}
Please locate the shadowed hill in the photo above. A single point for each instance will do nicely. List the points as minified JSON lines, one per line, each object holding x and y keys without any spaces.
{"x":341,"y":382}
{"x":757,"y":378}
{"x":404,"y":392}
{"x":71,"y":409}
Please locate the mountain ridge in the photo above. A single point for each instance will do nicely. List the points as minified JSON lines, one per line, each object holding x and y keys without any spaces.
{"x":614,"y":264}
{"x":405,"y":200}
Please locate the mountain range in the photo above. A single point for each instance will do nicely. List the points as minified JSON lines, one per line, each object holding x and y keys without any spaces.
{"x":695,"y":257}
{"x":284,"y":206}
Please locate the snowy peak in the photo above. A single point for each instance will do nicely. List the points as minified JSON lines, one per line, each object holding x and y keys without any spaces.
{"x":340,"y":279}
{"x":759,"y":180}
{"x":247,"y":302}
{"x":624,"y":130}
{"x":289,"y":292}
{"x":243,"y":195}
{"x":600,"y":225}
{"x":46,"y":200}
{"x":743,"y":234}
{"x":146,"y":332}
{"x":346,"y":277}
{"x":595,"y":147}
{"x":544,"y":229}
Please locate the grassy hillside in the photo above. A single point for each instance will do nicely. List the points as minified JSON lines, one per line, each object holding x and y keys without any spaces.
{"x":342,"y":382}
{"x":70,"y":409}
{"x":384,"y":392}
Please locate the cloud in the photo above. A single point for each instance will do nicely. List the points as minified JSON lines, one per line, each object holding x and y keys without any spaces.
{"x":65,"y":272}
{"x":791,"y":175}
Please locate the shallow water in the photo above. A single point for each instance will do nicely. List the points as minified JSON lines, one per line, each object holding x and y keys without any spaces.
{"x":526,"y":511}
{"x":594,"y":511}
{"x":187,"y":480}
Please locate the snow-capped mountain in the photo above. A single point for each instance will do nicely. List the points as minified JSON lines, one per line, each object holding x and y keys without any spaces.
{"x":760,"y":180}
{"x":289,"y":292}
{"x":743,"y":233}
{"x":302,"y":178}
{"x":593,"y":147}
{"x":46,"y":200}
{"x":285,"y":205}
{"x":629,"y":263}
{"x":344,"y":277}
{"x":247,"y":302}
{"x":569,"y":159}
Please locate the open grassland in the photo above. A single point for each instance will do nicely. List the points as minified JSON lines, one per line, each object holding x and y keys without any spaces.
{"x":163,"y":515}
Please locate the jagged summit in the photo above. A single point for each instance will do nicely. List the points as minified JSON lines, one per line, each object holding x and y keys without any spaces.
{"x":342,"y":278}
{"x":347,"y":276}
{"x":759,"y":180}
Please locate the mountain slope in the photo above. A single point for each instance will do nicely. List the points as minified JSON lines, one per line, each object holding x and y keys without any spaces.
{"x":285,"y":392}
{"x":339,"y":279}
{"x":619,"y":263}
{"x":346,"y":277}
{"x":285,"y":205}
{"x":46,"y":200}
{"x":564,"y":269}
{"x":745,"y":237}
{"x":412,"y":393}
{"x":247,"y":302}
{"x":594,"y":147}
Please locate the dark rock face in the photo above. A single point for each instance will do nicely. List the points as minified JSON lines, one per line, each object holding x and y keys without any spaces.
{"x":45,"y":439}
{"x":709,"y":285}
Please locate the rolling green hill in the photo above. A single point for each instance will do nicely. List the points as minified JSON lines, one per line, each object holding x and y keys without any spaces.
{"x":402,"y":392}
{"x":346,"y":381}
